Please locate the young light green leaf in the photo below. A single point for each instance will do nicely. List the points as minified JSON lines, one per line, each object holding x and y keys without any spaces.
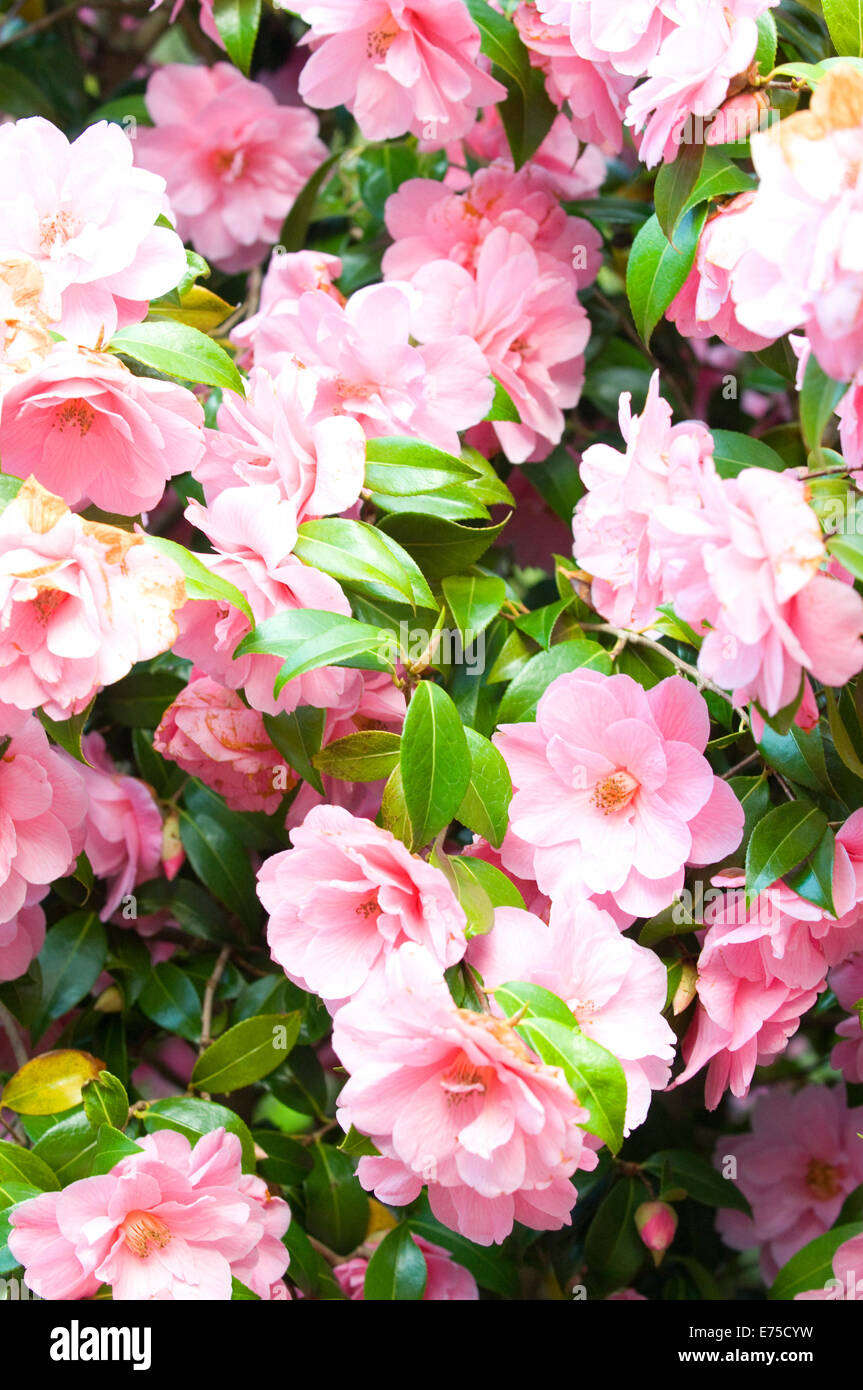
{"x":237,"y":22}
{"x":180,"y":351}
{"x":366,"y":756}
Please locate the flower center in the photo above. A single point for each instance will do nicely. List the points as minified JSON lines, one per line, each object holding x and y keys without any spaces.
{"x":229,"y":164}
{"x":57,"y":230}
{"x":76,"y":414}
{"x":614,"y":792}
{"x":368,"y":908}
{"x":379,"y":40}
{"x":462,"y":1080}
{"x":142,"y":1230}
{"x":824,"y":1180}
{"x":46,"y":603}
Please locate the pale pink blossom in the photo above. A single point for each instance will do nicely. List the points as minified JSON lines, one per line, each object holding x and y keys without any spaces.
{"x":366,"y":367}
{"x":90,"y":430}
{"x":662,"y":464}
{"x":212,"y":735}
{"x":847,"y":1282}
{"x":233,"y":159}
{"x":704,"y":307}
{"x":595,"y":92}
{"x":80,"y":603}
{"x":527,"y":320}
{"x":289,"y":275}
{"x":123,"y":829}
{"x":430,"y":222}
{"x":615,"y":988}
{"x":846,"y":981}
{"x":86,"y":217}
{"x":625,"y":33}
{"x":346,"y":896}
{"x":21,"y":938}
{"x":455,"y":1100}
{"x":570,"y":168}
{"x":278,"y":434}
{"x":446,"y":1280}
{"x":613,"y":793}
{"x":796,"y":1168}
{"x":253,"y":530}
{"x":397,"y":66}
{"x":173,"y":1222}
{"x":745,"y":569}
{"x":802,"y":263}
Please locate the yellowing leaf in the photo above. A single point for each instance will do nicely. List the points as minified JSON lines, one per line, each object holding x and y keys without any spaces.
{"x":199,"y":308}
{"x":50,"y":1083}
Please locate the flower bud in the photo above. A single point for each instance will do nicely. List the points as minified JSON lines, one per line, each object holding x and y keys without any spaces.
{"x":738,"y":119}
{"x":656,"y":1222}
{"x":173,"y":853}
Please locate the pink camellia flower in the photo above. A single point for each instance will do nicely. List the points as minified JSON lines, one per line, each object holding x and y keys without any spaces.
{"x":80,"y":603}
{"x":615,"y":988}
{"x":366,"y":367}
{"x":86,"y":217}
{"x":90,"y":430}
{"x":348,"y":894}
{"x":211,"y":734}
{"x":796,"y":1168}
{"x":43,"y":806}
{"x":656,"y":1223}
{"x":21,"y":938}
{"x":846,"y":981}
{"x":123,"y":831}
{"x":446,"y":1280}
{"x":253,"y":530}
{"x":704,"y":307}
{"x":205,"y":18}
{"x":594,"y":91}
{"x":847,"y":1282}
{"x":662,"y":463}
{"x":454,"y":1099}
{"x":801,"y":265}
{"x":232,"y":158}
{"x":398,"y":66}
{"x":276,"y":435}
{"x":712,"y":43}
{"x":612,"y":789}
{"x":527,"y":320}
{"x":429,"y":222}
{"x":627,"y":35}
{"x":289,"y":275}
{"x":173,"y":1222}
{"x":745,"y":569}
{"x":569,"y":168}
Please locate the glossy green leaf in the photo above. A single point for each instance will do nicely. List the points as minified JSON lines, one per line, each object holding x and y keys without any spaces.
{"x":780,"y":842}
{"x":237,"y":22}
{"x":246,"y":1053}
{"x":435,"y":761}
{"x":179,"y":351}
{"x":657,"y":270}
{"x":397,"y":1270}
{"x":484,"y":807}
{"x":366,"y":756}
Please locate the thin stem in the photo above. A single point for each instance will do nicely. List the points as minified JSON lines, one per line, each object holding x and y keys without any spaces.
{"x":10,"y":1028}
{"x":209,"y":996}
{"x":641,"y":639}
{"x":47,"y":21}
{"x":738,"y":767}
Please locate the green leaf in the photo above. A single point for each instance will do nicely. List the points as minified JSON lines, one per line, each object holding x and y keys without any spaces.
{"x":474,"y":901}
{"x":67,"y":733}
{"x":523,"y":694}
{"x":699,"y":1179}
{"x":192,"y":907}
{"x":366,"y":756}
{"x":501,"y":891}
{"x":845,"y":22}
{"x":309,"y":1270}
{"x":357,"y":1145}
{"x":140,"y":699}
{"x":812,"y":1266}
{"x":503,"y":406}
{"x":337,"y":1208}
{"x":221,"y":863}
{"x":21,"y":96}
{"x":440,"y":547}
{"x":819,"y":397}
{"x":72,"y":959}
{"x":9,"y":489}
{"x":783,"y":839}
{"x":237,"y":22}
{"x":111,"y":1146}
{"x":733,"y":452}
{"x":201,"y":583}
{"x":298,"y":737}
{"x":657,"y":270}
{"x":814,"y":879}
{"x":674,"y":184}
{"x":557,"y":481}
{"x":753,"y":793}
{"x":541,"y":623}
{"x":473,"y":600}
{"x":296,"y":225}
{"x":105,"y":1101}
{"x":170,"y":999}
{"x":592,"y":1071}
{"x":541,"y":1003}
{"x":357,"y":554}
{"x":797,"y":755}
{"x":68,"y":1148}
{"x":435,"y":761}
{"x":402,"y":466}
{"x":485,"y":803}
{"x":491,"y":1269}
{"x":18,"y":1164}
{"x":527,"y":113}
{"x":180,"y":351}
{"x":768,"y":39}
{"x":613,"y":1249}
{"x":287,"y":1162}
{"x":841,"y":737}
{"x":309,"y":638}
{"x":394,"y":811}
{"x":246,"y":1053}
{"x":397,"y":1270}
{"x":194,"y":1117}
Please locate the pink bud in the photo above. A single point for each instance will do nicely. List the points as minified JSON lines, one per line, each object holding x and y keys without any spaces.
{"x":738,"y":119}
{"x":173,"y":853}
{"x":656,"y":1222}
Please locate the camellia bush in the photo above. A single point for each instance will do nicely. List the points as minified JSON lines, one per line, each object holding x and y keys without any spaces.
{"x":431,"y":650}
